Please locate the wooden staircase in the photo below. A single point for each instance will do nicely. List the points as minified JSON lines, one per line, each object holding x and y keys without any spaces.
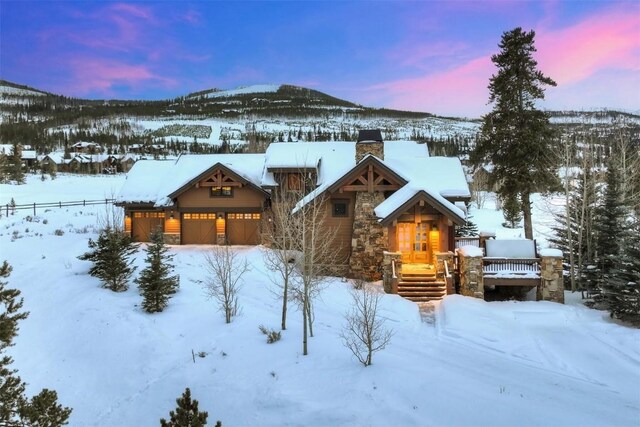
{"x":421,"y":285}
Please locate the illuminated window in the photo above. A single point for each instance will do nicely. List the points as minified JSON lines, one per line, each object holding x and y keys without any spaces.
{"x":340,"y":208}
{"x":148,"y":214}
{"x":221,"y":192}
{"x":244,"y":216}
{"x":199,"y":216}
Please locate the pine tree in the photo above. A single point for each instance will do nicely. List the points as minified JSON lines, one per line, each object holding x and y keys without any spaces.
{"x":111,"y":257}
{"x":623,"y":292}
{"x":155,"y":283}
{"x":11,"y":386}
{"x":469,"y":228}
{"x":517,"y":138}
{"x":186,"y":413}
{"x":512,"y":212}
{"x":15,"y":408}
{"x":611,"y":232}
{"x":15,"y":165}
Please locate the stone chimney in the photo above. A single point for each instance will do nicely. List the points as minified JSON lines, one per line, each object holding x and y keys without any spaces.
{"x":369,"y":142}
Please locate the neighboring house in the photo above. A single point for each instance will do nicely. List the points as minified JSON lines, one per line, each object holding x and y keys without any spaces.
{"x":86,"y":147}
{"x":380,"y":196}
{"x":27,"y":155}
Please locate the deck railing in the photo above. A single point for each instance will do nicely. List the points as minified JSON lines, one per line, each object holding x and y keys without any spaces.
{"x":497,"y":265}
{"x":467,"y":241}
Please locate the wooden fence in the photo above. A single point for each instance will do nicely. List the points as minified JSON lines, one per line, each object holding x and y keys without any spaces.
{"x":8,"y":208}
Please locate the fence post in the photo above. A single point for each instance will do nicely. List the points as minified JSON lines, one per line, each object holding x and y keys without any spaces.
{"x":34,"y":209}
{"x":84,"y":203}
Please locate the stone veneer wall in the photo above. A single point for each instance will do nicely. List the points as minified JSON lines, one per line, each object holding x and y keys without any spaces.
{"x":369,"y":239}
{"x":171,"y":238}
{"x":373,"y":148}
{"x":389,"y":282}
{"x":471,"y":280}
{"x":551,"y":287}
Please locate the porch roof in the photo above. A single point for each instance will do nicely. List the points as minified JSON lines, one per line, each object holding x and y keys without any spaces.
{"x":412,"y":193}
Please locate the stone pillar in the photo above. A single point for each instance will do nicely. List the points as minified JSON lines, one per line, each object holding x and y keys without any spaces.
{"x":551,"y":287}
{"x":389,"y":282}
{"x":171,"y":238}
{"x":369,"y":239}
{"x":441,"y":258}
{"x":471,"y":279}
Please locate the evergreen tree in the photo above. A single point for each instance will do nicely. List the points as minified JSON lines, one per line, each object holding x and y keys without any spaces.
{"x":517,"y":138}
{"x":186,"y":413}
{"x":15,"y":165}
{"x":155,"y":283}
{"x":469,"y":228}
{"x":511,"y":209}
{"x":623,"y":291}
{"x":15,"y":408}
{"x":111,"y":259}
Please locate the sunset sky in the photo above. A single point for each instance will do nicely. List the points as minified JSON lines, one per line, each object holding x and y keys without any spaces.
{"x":426,"y":56}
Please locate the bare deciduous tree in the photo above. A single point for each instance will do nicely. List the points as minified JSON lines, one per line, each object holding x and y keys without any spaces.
{"x":364,"y":333}
{"x":280,"y":253}
{"x":226,"y":270}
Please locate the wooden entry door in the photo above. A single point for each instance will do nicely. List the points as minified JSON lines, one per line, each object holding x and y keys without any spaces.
{"x":413,"y":241}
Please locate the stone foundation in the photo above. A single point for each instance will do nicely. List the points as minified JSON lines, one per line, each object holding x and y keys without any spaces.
{"x":551,"y":287}
{"x":389,"y":282}
{"x":369,"y":239}
{"x":471,"y":280}
{"x":171,"y":238}
{"x":221,"y":239}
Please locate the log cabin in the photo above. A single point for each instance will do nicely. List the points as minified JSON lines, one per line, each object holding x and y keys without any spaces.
{"x":380,"y":196}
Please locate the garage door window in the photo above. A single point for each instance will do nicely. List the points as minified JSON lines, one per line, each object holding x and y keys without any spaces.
{"x":244,"y":216}
{"x":148,"y":214}
{"x":199,"y":216}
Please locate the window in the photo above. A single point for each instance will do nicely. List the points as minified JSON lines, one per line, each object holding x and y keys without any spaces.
{"x":340,"y":208}
{"x":244,"y":216}
{"x":148,"y":214}
{"x":199,"y":216}
{"x":221,"y":192}
{"x":294,"y":182}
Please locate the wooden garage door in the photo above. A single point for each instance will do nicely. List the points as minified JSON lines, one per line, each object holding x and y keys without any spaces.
{"x":243,"y":228}
{"x":198,"y":228}
{"x":143,"y":223}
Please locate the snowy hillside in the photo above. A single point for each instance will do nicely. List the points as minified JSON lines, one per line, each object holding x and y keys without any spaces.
{"x":243,"y":90}
{"x":462,"y":362}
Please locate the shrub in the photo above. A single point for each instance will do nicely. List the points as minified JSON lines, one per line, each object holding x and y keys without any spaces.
{"x":272,"y":335}
{"x":58,"y":232}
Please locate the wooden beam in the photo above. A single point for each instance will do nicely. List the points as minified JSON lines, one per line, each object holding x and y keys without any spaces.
{"x":370,"y":179}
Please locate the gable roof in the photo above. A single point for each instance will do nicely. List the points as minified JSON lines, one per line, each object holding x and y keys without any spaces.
{"x":359,"y":168}
{"x":210,"y":171}
{"x":403,"y":199}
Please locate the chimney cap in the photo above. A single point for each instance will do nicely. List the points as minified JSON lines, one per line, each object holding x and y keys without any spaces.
{"x":369,"y":135}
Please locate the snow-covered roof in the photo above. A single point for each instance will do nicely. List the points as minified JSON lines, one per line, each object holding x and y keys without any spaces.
{"x":443,"y":175}
{"x":161,"y":177}
{"x":437,"y":177}
{"x":145,"y":181}
{"x":29,"y":154}
{"x":406,"y":193}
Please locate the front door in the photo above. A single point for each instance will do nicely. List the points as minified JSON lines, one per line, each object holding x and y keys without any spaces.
{"x":413,"y":241}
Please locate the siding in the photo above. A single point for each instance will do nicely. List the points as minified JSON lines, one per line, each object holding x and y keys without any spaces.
{"x":243,"y":197}
{"x":342,"y":226}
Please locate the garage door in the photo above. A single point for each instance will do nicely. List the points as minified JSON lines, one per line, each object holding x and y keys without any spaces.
{"x":143,"y":223}
{"x":198,"y":228}
{"x":243,"y":228}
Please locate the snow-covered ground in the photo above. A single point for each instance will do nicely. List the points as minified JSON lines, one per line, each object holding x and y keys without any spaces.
{"x":469,"y":362}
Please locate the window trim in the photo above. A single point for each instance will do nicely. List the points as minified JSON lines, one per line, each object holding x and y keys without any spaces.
{"x":344,"y":202}
{"x":212,"y":189}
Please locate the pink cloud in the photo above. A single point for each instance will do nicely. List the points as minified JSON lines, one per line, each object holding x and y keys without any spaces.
{"x":462,"y":90}
{"x":571,"y":56}
{"x":192,"y":17}
{"x":607,"y":41}
{"x":101,"y":76}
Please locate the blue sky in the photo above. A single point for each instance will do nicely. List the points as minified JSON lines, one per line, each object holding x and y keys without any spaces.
{"x":426,"y":56}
